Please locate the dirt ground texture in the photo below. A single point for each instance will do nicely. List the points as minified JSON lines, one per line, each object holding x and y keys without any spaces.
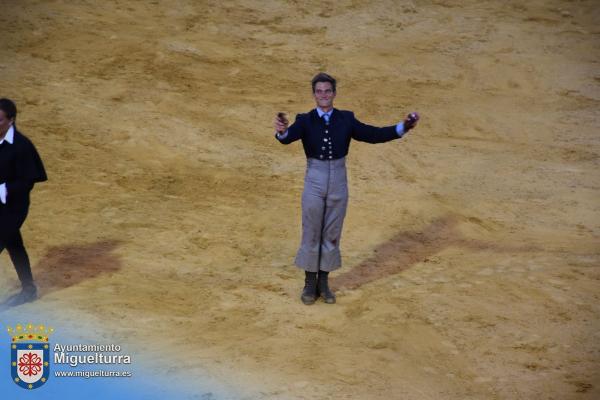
{"x":471,"y":246}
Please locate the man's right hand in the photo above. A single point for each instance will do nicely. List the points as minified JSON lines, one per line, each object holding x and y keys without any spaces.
{"x":281,"y":123}
{"x":411,"y":121}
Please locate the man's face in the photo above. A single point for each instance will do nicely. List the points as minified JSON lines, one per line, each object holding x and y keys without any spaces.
{"x":5,"y":123}
{"x":324,"y":95}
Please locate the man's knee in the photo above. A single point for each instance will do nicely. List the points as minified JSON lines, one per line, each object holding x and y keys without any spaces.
{"x":331,"y":238}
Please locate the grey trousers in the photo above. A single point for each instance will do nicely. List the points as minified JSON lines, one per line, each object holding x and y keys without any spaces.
{"x":324,"y":203}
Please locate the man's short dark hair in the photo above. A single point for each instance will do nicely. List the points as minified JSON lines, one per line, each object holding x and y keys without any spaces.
{"x":9,"y":108}
{"x":323,"y":77}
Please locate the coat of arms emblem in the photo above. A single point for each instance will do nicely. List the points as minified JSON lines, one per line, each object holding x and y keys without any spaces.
{"x":30,"y":355}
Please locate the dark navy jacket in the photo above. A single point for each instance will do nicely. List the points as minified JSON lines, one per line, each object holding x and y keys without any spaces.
{"x":330,"y":142}
{"x":20,"y":168}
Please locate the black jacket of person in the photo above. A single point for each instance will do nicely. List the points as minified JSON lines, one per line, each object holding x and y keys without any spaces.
{"x":20,"y":168}
{"x":330,"y":142}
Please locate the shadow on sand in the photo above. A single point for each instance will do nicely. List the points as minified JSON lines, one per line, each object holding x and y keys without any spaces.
{"x":408,"y":248}
{"x":69,"y":265}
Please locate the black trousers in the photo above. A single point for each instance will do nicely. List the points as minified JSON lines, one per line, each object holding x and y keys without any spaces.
{"x":16,"y":250}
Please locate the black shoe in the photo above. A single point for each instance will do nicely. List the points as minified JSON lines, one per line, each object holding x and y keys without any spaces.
{"x":26,"y":295}
{"x":323,"y":288}
{"x":309,"y":293}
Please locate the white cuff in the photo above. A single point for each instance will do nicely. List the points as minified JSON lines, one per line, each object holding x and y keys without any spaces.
{"x":400,"y":129}
{"x":3,"y":193}
{"x":282,"y":136}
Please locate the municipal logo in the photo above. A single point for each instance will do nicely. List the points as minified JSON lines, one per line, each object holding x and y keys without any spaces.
{"x":30,"y":355}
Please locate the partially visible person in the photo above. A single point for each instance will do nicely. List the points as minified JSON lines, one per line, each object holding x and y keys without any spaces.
{"x":20,"y":168}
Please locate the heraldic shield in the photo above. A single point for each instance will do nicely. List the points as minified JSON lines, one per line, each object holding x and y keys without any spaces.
{"x":30,"y":355}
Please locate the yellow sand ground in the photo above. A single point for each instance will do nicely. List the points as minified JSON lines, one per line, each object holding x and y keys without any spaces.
{"x":171,"y":217}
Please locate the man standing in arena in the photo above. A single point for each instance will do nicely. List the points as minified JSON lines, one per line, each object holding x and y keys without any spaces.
{"x":326,"y":133}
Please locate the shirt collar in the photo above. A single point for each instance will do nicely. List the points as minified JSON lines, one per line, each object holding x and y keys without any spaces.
{"x":321,"y":112}
{"x":10,"y":135}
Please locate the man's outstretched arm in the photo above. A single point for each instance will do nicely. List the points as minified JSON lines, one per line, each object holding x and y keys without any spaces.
{"x":285,"y":134}
{"x":372,"y":134}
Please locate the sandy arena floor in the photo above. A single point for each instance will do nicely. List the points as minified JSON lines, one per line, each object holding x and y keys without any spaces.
{"x":471,"y":247}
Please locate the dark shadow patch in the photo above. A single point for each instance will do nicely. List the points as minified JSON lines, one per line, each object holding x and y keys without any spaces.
{"x":69,"y":265}
{"x":408,"y":248}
